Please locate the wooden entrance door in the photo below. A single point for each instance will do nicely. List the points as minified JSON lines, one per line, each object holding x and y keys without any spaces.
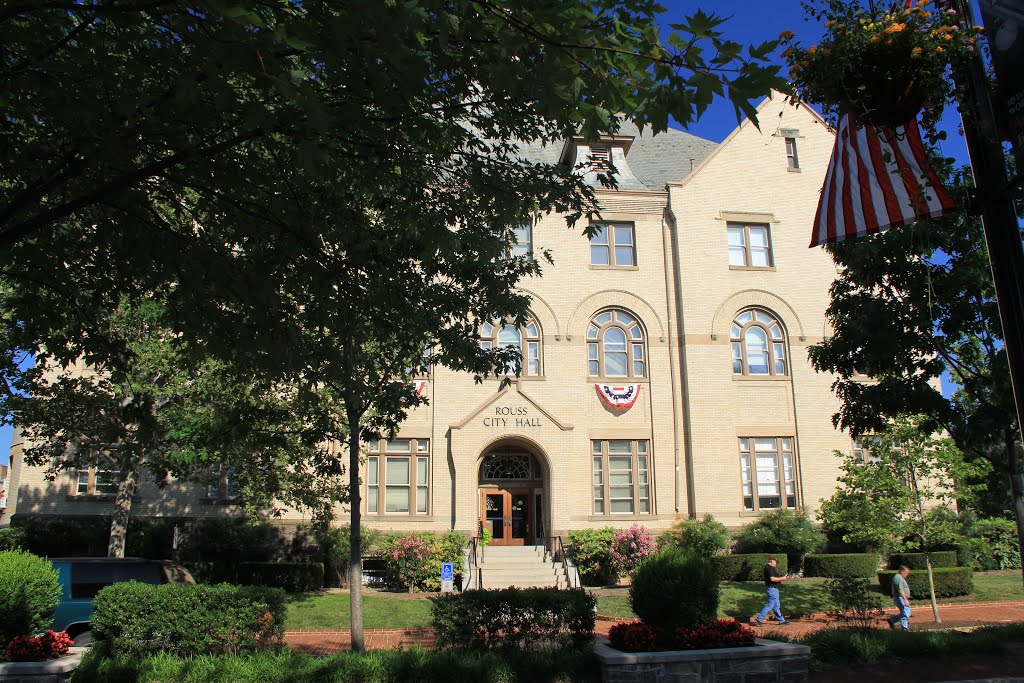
{"x":507,"y":513}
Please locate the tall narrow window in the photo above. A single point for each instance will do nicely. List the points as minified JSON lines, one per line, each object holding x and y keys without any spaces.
{"x":527,"y":339}
{"x":398,"y":477}
{"x":792,"y":160}
{"x":523,"y":248}
{"x":750,"y":245}
{"x":613,"y":244}
{"x":221,"y":485}
{"x":758,"y":344}
{"x":767,"y":471}
{"x":615,"y":346}
{"x":621,"y":477}
{"x":600,"y":159}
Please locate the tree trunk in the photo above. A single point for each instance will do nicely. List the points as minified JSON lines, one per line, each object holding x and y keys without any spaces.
{"x":355,"y":566}
{"x":931,"y":588}
{"x":1016,"y":491}
{"x":128,"y":476}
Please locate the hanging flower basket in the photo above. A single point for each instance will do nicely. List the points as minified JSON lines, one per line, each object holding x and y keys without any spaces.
{"x":882,"y":67}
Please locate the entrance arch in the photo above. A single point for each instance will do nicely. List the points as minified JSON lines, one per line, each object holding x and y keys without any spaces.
{"x":512,"y":495}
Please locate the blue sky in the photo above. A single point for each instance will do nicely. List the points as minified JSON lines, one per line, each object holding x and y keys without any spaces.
{"x":749,"y":23}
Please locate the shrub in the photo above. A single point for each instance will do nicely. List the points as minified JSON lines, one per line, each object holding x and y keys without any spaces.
{"x":864,"y":565}
{"x":941,"y":558}
{"x":949,"y":582}
{"x":231,"y":540}
{"x":415,"y":561}
{"x":63,"y":537}
{"x":294,"y":577}
{"x":746,"y":567}
{"x":29,"y":590}
{"x":589,"y":551}
{"x":641,"y":637}
{"x":854,"y":598}
{"x":12,"y":538}
{"x":675,"y":588}
{"x":332,"y":549}
{"x":50,"y":645}
{"x":188,"y":620}
{"x":630,"y":547}
{"x":989,"y":544}
{"x":782,"y":531}
{"x":513,"y":618}
{"x":705,"y":536}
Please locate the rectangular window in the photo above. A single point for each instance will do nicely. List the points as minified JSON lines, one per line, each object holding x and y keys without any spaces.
{"x":523,"y":248}
{"x":767,"y":470}
{"x":398,"y":477}
{"x":91,"y":481}
{"x":613,"y":244}
{"x":792,"y":160}
{"x":750,"y":245}
{"x":863,"y":449}
{"x":600,"y":159}
{"x":621,"y":477}
{"x":222,"y":482}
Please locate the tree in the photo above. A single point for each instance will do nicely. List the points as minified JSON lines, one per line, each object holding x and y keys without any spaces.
{"x":905,"y":497}
{"x":909,"y":305}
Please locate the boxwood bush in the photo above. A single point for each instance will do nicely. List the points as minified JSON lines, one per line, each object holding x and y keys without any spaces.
{"x":589,"y":550}
{"x":746,"y":566}
{"x":189,"y":620}
{"x":517,"y":618}
{"x":841,"y":566}
{"x":949,"y":582}
{"x":29,"y":590}
{"x":940,"y":558}
{"x":676,"y":589}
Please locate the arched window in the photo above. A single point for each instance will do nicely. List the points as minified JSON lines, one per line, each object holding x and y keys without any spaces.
{"x":615,"y":346}
{"x":498,"y":335}
{"x":758,"y":344}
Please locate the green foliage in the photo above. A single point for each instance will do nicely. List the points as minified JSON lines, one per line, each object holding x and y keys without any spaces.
{"x":29,"y":590}
{"x":589,"y":551}
{"x":949,"y":582}
{"x":855,"y":599}
{"x":705,"y":536}
{"x":333,"y":547}
{"x":414,"y":561}
{"x":940,"y":558}
{"x":12,"y":538}
{"x":188,"y":620}
{"x":746,"y":566}
{"x":781,"y":531}
{"x":675,"y":588}
{"x":852,"y":565}
{"x":232,"y":540}
{"x":53,"y":536}
{"x":988,"y":544}
{"x":379,"y":666}
{"x":293,"y":577}
{"x":513,"y":618}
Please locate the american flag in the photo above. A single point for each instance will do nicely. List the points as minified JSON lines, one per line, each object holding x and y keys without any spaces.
{"x":878,"y":178}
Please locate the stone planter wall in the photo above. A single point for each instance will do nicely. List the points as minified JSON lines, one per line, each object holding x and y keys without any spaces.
{"x":53,"y":671}
{"x":766,"y":662}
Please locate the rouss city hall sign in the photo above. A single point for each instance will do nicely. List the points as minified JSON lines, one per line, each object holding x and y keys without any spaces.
{"x":505,"y":417}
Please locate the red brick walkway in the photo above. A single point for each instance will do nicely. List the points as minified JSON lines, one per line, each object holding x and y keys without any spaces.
{"x":953,"y":616}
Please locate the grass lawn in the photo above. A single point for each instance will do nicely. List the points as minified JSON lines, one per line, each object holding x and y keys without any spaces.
{"x":311,"y":611}
{"x":740,"y":600}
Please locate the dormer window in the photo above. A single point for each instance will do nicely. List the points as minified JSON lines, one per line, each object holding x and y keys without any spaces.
{"x":601,"y":158}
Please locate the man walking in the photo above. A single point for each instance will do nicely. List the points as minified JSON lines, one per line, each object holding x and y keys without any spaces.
{"x":901,"y":598}
{"x":771,"y":588}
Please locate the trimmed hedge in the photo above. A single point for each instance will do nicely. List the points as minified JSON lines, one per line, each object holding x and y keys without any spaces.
{"x":138,"y":619}
{"x":675,"y":589}
{"x":940,"y":558}
{"x":519,"y":618}
{"x":747,"y":566}
{"x":294,"y":577}
{"x":842,"y":566}
{"x":949,"y":582}
{"x":29,"y":590}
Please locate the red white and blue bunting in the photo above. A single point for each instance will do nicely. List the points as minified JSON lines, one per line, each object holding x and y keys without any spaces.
{"x":620,"y":396}
{"x":419,"y":387}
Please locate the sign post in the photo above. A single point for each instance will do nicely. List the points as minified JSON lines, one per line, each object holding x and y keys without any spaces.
{"x":447,"y":577}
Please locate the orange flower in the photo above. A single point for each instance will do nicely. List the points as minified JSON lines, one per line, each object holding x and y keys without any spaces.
{"x":812,"y":49}
{"x":947,"y":37}
{"x":785,"y":35}
{"x":915,"y":53}
{"x":939,"y":50}
{"x":895,"y":28}
{"x":875,"y":38}
{"x":787,"y":52}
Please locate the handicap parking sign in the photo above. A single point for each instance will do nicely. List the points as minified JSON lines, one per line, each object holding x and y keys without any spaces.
{"x":447,"y":571}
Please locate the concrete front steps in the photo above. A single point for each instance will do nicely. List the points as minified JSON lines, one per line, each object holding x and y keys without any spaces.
{"x":525,"y":566}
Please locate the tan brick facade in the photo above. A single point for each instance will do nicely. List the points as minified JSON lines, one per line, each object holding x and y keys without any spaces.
{"x":692,"y":410}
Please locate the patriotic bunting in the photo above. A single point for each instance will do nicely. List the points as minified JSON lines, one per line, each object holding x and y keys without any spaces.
{"x":419,"y":387}
{"x":878,"y":178}
{"x":620,"y":396}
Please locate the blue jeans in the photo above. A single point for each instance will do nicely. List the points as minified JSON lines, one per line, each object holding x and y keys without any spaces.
{"x":772,"y":605}
{"x":902,"y":615}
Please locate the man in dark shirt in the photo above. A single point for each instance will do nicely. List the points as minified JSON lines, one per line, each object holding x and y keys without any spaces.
{"x":771,"y":588}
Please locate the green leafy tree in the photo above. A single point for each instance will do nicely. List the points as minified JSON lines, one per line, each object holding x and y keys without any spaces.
{"x":908,"y":306}
{"x":892,"y":501}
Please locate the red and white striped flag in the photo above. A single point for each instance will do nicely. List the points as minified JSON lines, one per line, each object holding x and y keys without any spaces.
{"x":877,"y":179}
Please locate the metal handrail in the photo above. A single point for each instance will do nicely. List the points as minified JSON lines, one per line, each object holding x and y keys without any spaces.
{"x":557,"y":550}
{"x":474,"y":547}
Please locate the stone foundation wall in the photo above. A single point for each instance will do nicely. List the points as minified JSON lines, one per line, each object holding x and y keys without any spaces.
{"x":766,"y":662}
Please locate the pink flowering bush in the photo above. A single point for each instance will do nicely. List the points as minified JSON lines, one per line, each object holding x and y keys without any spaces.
{"x":630,"y":547}
{"x":415,"y":561}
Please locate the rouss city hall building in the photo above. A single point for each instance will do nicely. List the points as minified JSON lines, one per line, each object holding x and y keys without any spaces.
{"x":664,"y":364}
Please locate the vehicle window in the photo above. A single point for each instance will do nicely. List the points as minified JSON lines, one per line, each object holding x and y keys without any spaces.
{"x":89,"y":577}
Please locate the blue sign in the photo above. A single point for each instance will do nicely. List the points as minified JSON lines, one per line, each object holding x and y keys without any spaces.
{"x":447,"y":571}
